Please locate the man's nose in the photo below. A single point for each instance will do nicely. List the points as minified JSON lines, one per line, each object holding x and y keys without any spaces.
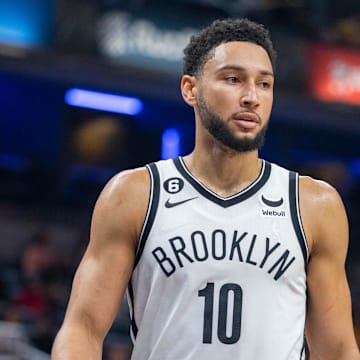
{"x":249,"y":96}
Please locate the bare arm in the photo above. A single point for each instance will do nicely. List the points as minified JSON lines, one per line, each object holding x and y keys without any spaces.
{"x":103,"y":274}
{"x":329,"y":326}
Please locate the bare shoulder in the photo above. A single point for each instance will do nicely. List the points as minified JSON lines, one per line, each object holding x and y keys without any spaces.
{"x":322,"y":209}
{"x":319,"y":192}
{"x":126,"y":184}
{"x":122,"y":204}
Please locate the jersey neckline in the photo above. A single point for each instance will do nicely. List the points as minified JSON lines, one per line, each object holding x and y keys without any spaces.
{"x":230,"y":200}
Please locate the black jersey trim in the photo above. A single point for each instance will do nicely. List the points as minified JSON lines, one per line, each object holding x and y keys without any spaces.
{"x":152,"y":209}
{"x":148,"y":222}
{"x":134,"y":328}
{"x":232,"y":200}
{"x":304,"y":351}
{"x":295,"y":213}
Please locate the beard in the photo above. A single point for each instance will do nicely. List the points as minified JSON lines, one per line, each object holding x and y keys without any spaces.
{"x":221,"y":132}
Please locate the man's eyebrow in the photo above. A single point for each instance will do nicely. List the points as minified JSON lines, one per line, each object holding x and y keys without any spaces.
{"x":242,"y":69}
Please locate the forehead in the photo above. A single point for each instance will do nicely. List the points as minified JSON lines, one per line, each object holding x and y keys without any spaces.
{"x":240,"y":53}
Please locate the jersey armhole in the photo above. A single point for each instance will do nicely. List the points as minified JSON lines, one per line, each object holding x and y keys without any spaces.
{"x":295,"y":214}
{"x":148,"y":222}
{"x":151,"y":210}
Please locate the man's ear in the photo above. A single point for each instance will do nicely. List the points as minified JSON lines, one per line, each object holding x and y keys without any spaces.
{"x":189,"y":89}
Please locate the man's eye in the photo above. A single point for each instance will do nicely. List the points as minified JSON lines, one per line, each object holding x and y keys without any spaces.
{"x":265,"y":84}
{"x":232,"y":79}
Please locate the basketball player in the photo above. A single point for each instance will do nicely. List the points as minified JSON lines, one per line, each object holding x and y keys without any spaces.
{"x":224,"y":255}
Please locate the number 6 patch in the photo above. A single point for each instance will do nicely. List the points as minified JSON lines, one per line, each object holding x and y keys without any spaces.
{"x":173,"y":185}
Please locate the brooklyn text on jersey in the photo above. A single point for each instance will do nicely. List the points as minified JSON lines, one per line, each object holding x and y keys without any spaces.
{"x":227,"y":275}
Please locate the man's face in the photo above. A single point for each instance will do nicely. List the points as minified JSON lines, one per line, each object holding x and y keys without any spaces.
{"x":235,"y":95}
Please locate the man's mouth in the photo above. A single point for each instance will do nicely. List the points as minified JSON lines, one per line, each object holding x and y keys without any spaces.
{"x":247,"y":116}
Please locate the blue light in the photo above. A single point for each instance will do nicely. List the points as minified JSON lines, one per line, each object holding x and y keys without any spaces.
{"x":103,"y":101}
{"x":170,"y":144}
{"x":355,"y":166}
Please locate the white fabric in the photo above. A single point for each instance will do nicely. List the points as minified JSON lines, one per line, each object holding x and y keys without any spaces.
{"x":247,"y":255}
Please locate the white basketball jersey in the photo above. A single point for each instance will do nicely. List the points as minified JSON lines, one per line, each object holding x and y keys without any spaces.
{"x":219,"y":278}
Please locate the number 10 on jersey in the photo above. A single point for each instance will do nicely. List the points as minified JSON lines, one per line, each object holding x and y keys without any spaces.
{"x":227,"y":334}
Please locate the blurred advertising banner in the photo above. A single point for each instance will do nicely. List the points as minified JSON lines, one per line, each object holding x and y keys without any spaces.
{"x":152,"y":37}
{"x":334,"y":74}
{"x":141,"y":41}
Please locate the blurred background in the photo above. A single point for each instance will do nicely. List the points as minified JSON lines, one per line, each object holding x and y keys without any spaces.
{"x":91,"y":87}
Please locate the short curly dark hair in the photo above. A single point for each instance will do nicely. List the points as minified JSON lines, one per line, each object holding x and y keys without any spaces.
{"x":199,"y":49}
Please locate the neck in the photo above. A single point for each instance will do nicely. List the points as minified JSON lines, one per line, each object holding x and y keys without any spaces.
{"x":224,"y":171}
